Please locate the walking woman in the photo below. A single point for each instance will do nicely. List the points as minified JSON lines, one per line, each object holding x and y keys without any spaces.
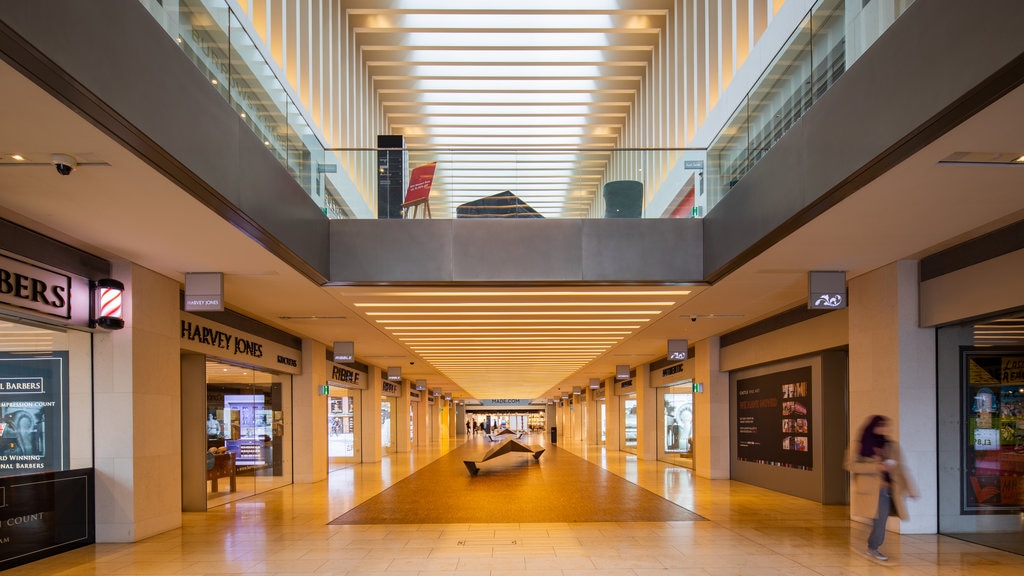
{"x":880,"y":483}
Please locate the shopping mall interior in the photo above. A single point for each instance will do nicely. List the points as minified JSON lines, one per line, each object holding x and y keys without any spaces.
{"x":434,"y":287}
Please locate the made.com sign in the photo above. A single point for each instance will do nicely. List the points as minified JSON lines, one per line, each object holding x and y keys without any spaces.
{"x":214,"y":339}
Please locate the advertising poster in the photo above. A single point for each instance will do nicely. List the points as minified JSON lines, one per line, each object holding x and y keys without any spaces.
{"x":33,"y":416}
{"x":774,"y":419}
{"x":993,"y":450}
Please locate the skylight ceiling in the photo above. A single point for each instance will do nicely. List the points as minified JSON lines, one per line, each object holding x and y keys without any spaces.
{"x":523,"y":82}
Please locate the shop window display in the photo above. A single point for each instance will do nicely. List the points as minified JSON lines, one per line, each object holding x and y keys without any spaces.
{"x":993,"y":450}
{"x":679,"y":424}
{"x":247,"y":448}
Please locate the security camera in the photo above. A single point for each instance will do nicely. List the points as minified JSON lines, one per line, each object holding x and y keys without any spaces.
{"x":411,"y":363}
{"x":693,"y":318}
{"x":63,"y":163}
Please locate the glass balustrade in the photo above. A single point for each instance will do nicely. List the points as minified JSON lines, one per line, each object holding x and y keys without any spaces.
{"x":524,"y":183}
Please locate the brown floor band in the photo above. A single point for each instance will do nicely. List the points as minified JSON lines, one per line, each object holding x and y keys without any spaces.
{"x":515,"y":488}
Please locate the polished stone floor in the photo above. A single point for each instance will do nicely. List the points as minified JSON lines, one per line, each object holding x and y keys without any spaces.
{"x":747,"y":531}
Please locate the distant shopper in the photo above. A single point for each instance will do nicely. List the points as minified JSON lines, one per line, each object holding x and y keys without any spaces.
{"x":469,"y":427}
{"x":880,"y":483}
{"x":476,"y":427}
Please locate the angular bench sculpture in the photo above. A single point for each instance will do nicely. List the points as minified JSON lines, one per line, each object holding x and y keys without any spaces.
{"x":496,"y":437}
{"x":505,"y":447}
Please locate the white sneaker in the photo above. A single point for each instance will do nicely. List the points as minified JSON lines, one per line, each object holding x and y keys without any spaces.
{"x":876,"y":555}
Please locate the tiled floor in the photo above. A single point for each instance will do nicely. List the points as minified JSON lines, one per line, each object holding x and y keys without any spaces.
{"x":749,"y":531}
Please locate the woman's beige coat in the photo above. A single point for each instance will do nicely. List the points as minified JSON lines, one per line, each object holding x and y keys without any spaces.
{"x":867,"y":481}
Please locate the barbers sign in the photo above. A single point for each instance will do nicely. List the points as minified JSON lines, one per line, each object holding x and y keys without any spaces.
{"x":41,"y":290}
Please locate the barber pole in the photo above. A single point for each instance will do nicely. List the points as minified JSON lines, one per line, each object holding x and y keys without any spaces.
{"x":109,"y":295}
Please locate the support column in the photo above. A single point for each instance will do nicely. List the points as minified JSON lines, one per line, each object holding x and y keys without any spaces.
{"x":711,"y":412}
{"x":309,"y":415}
{"x":422,"y":416}
{"x":137,"y":395}
{"x":613,"y":413}
{"x":646,"y":414}
{"x":402,"y":403}
{"x":369,"y":412}
{"x":892,"y":372}
{"x":592,"y":434}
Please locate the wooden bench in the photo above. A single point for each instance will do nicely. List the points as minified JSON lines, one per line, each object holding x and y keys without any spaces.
{"x":506,"y":447}
{"x":223,"y":467}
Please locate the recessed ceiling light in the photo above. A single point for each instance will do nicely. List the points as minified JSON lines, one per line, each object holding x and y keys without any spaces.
{"x":17,"y":157}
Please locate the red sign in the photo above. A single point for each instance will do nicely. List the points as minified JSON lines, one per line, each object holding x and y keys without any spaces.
{"x":419,"y":182}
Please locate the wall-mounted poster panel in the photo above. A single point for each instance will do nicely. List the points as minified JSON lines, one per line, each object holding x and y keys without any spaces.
{"x":45,"y":514}
{"x":993,"y":448}
{"x":33,"y":412}
{"x":773,"y":419}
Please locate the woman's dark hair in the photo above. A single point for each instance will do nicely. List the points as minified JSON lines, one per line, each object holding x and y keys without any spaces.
{"x":871,"y":442}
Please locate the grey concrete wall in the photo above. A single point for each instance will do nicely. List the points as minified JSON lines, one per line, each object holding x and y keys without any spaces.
{"x":610,"y":250}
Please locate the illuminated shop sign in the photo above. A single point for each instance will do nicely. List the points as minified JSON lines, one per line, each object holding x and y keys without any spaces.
{"x":346,"y":377}
{"x":214,"y":339}
{"x":505,"y":402}
{"x":27,"y":286}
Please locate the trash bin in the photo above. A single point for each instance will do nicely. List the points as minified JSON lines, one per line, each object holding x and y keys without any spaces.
{"x":554,"y":435}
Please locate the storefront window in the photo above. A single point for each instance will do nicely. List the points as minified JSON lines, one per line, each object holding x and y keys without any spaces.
{"x":604,"y":421}
{"x":341,"y":424}
{"x":386,"y":424}
{"x":993,"y":450}
{"x":41,"y":371}
{"x":248,"y":450}
{"x":629,"y":410}
{"x":679,"y":424}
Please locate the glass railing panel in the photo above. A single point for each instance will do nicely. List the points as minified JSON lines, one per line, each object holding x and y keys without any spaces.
{"x":828,"y":45}
{"x":202,"y":35}
{"x":535,"y":183}
{"x":812,"y":60}
{"x":781,"y":94}
{"x":729,"y":156}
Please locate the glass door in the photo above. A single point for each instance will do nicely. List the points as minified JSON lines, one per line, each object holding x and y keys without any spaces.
{"x":676,"y":426}
{"x":342,"y":427}
{"x":247,"y":430}
{"x":629,"y":423}
{"x":388,"y":425}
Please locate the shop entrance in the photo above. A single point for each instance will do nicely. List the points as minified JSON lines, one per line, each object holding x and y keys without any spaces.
{"x":248,"y":447}
{"x":629,"y":423}
{"x":388,"y":425}
{"x":342,"y":427}
{"x":676,"y":426}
